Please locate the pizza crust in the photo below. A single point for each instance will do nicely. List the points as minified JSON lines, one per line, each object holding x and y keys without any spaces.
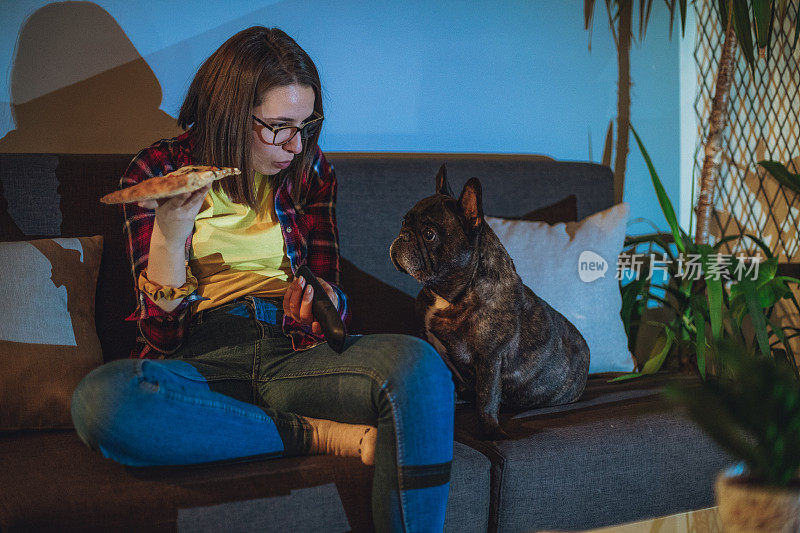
{"x":185,"y":179}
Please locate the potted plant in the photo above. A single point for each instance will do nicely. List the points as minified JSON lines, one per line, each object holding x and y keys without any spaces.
{"x":698,"y":311}
{"x":751,"y":408}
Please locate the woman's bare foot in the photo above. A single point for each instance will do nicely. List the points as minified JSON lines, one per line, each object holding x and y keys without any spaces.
{"x":344,"y":440}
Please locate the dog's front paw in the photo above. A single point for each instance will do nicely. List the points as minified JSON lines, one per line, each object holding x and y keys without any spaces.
{"x":491,"y":430}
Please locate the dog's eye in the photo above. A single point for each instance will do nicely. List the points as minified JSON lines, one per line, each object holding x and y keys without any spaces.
{"x":428,"y":234}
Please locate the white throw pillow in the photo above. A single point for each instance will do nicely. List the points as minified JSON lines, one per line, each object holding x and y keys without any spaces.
{"x":547,"y":259}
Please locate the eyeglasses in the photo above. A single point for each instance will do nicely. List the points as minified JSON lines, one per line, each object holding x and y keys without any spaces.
{"x":283,"y":134}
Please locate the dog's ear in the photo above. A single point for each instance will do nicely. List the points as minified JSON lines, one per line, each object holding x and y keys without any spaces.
{"x":442,"y":187}
{"x":471,"y":202}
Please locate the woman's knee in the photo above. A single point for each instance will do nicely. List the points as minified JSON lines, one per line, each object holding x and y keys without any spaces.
{"x":413,"y":362}
{"x":100,"y":396}
{"x":421,"y":397}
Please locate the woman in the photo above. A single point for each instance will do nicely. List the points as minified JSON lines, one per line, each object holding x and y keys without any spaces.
{"x":230,"y":363}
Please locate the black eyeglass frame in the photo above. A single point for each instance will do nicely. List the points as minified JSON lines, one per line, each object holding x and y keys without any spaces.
{"x":301,"y":128}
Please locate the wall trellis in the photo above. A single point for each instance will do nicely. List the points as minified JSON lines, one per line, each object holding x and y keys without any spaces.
{"x":763,"y":123}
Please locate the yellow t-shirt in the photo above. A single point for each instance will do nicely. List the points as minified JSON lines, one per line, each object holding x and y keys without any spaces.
{"x":236,"y":251}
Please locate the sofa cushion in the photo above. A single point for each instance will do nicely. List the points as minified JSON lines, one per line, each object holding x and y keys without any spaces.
{"x":53,"y":482}
{"x":48,"y":340}
{"x":619,"y":454}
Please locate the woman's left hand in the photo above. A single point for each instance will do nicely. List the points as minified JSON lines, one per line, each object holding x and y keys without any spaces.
{"x":298,"y":299}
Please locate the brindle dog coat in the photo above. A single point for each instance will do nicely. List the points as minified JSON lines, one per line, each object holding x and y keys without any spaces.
{"x":506,"y":345}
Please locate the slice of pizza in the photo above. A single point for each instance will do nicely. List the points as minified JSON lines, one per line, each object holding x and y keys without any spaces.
{"x":185,"y":179}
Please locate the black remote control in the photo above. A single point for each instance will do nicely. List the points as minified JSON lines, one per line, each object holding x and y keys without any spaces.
{"x":325,"y":312}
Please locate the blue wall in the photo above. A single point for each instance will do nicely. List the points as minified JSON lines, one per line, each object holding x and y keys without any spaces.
{"x":442,"y":76}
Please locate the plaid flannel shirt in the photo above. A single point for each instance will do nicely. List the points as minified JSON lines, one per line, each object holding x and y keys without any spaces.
{"x":309,"y":231}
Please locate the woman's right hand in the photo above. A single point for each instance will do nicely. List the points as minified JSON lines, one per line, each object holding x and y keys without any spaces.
{"x":175,"y":215}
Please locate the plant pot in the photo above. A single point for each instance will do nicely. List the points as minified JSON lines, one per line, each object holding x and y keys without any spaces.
{"x":747,"y":506}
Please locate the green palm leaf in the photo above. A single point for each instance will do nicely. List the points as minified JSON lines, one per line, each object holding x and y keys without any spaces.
{"x":661,"y":193}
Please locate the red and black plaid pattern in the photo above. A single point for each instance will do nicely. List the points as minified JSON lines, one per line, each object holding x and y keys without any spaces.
{"x":309,"y":232}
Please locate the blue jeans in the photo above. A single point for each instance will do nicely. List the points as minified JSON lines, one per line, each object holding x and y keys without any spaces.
{"x":236,"y":390}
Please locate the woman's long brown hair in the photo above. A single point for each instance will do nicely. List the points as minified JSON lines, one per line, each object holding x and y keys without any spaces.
{"x":223,"y":94}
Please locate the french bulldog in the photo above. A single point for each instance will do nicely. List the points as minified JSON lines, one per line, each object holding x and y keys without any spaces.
{"x":504,"y":344}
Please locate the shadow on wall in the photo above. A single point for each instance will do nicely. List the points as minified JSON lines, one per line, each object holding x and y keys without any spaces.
{"x":115,"y":109}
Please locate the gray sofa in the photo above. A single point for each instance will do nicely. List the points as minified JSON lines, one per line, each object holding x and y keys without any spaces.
{"x":621,"y":453}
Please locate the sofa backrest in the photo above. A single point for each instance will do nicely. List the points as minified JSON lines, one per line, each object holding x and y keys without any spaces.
{"x":52,"y":195}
